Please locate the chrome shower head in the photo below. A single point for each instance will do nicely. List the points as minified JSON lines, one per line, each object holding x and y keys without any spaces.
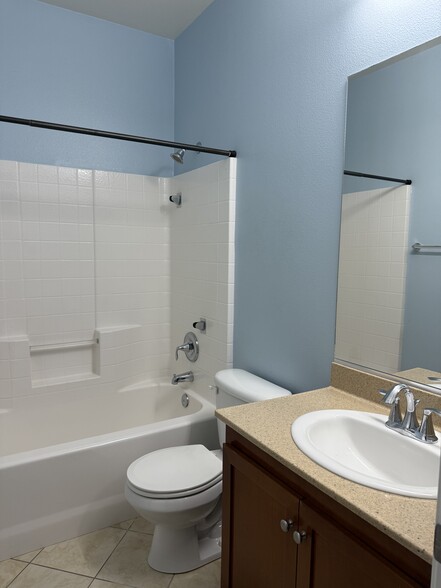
{"x":178,"y":156}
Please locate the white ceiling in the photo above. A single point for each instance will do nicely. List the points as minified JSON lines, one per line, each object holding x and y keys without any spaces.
{"x":167,"y":18}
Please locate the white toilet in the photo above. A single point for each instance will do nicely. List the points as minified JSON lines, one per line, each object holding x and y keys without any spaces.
{"x":179,"y":488}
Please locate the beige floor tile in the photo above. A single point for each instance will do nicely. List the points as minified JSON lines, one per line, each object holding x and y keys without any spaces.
{"x":140,"y":525}
{"x":39,"y":577}
{"x":106,"y":584}
{"x":123,"y":524}
{"x":128,"y":564}
{"x":83,"y":555}
{"x":206,"y":577}
{"x":28,"y":556}
{"x":9,"y":569}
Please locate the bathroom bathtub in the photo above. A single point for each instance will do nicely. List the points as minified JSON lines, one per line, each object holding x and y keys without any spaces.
{"x":63,"y":457}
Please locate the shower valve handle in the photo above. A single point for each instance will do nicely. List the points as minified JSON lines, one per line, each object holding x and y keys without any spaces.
{"x":185,"y":347}
{"x":190,"y":347}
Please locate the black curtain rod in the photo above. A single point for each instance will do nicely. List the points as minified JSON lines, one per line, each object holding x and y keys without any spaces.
{"x":109,"y":135}
{"x":361,"y":175}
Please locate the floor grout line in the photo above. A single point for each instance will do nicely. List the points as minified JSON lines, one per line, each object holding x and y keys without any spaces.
{"x":91,"y":577}
{"x":17,"y":558}
{"x":20,"y":572}
{"x":113,"y":550}
{"x":61,"y":570}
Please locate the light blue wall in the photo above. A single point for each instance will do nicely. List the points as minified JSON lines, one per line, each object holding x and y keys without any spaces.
{"x":65,"y":67}
{"x":265,"y":78}
{"x":394,"y":128}
{"x":269,"y":79}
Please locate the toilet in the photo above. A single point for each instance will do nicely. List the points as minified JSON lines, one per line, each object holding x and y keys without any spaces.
{"x":179,"y":488}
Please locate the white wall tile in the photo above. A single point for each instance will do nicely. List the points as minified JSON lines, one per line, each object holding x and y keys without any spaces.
{"x":201,"y":286}
{"x":372,"y":272}
{"x":75,"y":238}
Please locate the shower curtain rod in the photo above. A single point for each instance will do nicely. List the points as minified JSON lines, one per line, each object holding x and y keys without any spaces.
{"x":109,"y":135}
{"x":361,"y":175}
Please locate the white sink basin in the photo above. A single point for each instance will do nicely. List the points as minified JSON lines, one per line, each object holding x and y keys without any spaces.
{"x":359,"y":447}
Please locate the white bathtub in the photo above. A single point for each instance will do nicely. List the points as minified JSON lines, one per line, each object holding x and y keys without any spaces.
{"x":63,"y":458}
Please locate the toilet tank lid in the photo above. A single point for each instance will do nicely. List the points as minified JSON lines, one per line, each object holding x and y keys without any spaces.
{"x":247,"y":387}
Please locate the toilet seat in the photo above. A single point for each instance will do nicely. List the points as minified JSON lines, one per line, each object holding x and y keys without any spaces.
{"x":175,"y":472}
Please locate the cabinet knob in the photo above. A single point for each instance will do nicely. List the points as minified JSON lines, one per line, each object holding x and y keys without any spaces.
{"x":286,"y":525}
{"x":299,"y":537}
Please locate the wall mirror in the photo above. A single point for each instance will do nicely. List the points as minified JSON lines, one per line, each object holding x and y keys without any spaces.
{"x":389,"y":282}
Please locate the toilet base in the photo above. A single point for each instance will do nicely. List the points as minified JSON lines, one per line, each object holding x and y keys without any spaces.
{"x":175,"y":551}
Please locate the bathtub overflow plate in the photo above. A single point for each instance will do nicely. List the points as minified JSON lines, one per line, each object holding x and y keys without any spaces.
{"x":185,"y":400}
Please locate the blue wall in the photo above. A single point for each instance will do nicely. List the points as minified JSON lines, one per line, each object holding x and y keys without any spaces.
{"x":65,"y":67}
{"x":394,"y":128}
{"x":269,"y":79}
{"x":265,"y":78}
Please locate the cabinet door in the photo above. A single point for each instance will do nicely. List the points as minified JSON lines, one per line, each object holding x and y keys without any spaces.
{"x":331,"y":557}
{"x":256,"y":552}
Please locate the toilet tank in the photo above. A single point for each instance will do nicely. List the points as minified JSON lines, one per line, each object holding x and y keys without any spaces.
{"x":235,"y":386}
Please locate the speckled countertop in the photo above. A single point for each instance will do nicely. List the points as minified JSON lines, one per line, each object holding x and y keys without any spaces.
{"x":410,"y":521}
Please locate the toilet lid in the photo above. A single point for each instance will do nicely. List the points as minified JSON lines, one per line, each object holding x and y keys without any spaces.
{"x":175,"y":471}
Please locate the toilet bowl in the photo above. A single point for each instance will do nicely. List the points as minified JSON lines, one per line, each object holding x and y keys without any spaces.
{"x":179,"y":488}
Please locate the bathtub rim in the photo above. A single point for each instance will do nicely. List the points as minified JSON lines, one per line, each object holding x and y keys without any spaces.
{"x":207,"y":409}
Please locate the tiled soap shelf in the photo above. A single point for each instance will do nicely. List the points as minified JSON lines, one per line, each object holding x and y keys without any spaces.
{"x":63,"y":363}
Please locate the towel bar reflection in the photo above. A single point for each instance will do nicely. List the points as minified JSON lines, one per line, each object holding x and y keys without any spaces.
{"x":418,"y":246}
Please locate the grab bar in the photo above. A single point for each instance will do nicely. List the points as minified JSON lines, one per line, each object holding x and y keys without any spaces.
{"x":60,"y":346}
{"x":418,"y":246}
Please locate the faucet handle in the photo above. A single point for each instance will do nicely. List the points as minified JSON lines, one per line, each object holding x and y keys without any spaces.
{"x":426,"y":432}
{"x":410,"y":421}
{"x":395,"y":419}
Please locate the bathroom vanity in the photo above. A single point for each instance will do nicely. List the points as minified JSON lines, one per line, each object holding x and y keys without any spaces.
{"x":287,"y":522}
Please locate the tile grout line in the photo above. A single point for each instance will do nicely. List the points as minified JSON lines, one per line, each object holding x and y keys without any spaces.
{"x":172,"y":578}
{"x":113,"y":550}
{"x":20,"y":572}
{"x":151,"y":534}
{"x":92,"y":578}
{"x":125,"y":533}
{"x":61,"y":570}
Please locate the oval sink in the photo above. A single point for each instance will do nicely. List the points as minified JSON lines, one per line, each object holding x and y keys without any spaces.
{"x":358,"y":446}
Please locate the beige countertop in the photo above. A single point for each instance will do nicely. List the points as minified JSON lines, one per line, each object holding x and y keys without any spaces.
{"x":410,"y":521}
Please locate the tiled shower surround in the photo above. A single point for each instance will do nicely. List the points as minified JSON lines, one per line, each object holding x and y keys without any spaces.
{"x":372,"y":277}
{"x":101,"y":276}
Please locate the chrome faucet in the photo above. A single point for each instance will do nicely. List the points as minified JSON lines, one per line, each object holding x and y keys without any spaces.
{"x":409,"y":424}
{"x":426,"y":432}
{"x":184,"y":377}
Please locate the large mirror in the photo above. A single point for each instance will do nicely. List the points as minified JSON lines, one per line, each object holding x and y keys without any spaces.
{"x":389,"y":286}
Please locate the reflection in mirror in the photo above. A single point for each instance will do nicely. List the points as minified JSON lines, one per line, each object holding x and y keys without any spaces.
{"x":389,"y":293}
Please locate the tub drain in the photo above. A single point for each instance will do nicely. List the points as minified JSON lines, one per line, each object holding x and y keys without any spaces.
{"x":185,"y":400}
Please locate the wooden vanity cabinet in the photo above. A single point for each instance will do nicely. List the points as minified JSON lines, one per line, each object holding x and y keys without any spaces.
{"x":335,"y":548}
{"x":255,"y":550}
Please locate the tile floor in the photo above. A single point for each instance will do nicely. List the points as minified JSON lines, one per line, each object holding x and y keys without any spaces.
{"x":114,"y":557}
